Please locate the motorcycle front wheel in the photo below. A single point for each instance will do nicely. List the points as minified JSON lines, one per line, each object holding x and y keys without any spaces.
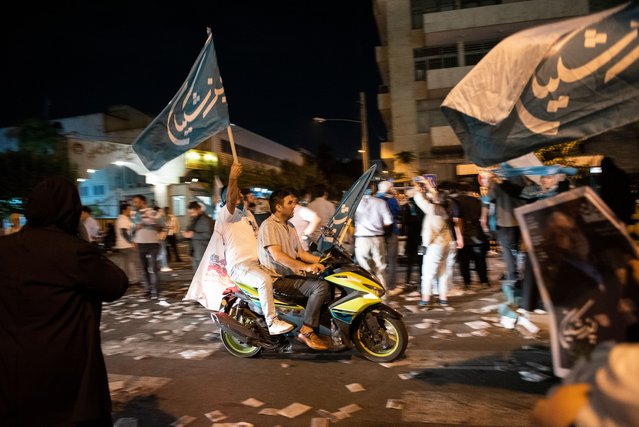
{"x":237,"y":347}
{"x":383,"y":342}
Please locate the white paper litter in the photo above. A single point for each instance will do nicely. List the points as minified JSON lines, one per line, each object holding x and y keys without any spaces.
{"x":477,"y":324}
{"x":215,"y":416}
{"x":412,"y":308}
{"x":269,"y":411}
{"x":350,"y":409}
{"x":355,"y":387}
{"x":480,"y":333}
{"x":395,"y":404}
{"x":253,"y":403}
{"x":320,"y":422}
{"x":196,"y":354}
{"x":183,"y":421}
{"x":407,"y":376}
{"x":293,"y":410}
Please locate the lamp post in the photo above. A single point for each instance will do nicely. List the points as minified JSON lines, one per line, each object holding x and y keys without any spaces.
{"x":363,"y":123}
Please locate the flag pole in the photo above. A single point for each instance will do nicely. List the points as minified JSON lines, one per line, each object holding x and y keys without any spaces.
{"x":232,"y":142}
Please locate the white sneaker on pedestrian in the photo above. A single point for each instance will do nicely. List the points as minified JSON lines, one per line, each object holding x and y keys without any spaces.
{"x":278,"y":327}
{"x":166,"y":269}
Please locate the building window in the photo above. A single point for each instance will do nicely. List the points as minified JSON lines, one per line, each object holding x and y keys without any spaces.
{"x":434,"y":58}
{"x":250,"y":154}
{"x":429,"y":115}
{"x":98,"y":190}
{"x":179,"y":205}
{"x":420,"y":7}
{"x":478,"y":3}
{"x":84,"y":191}
{"x":475,"y":51}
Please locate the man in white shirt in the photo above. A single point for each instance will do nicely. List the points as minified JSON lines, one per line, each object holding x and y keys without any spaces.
{"x":306,"y":221}
{"x":323,"y":208}
{"x":239,"y":231}
{"x":372,"y":217}
{"x":124,"y":243}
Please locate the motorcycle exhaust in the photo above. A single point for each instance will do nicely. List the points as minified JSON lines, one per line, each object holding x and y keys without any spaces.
{"x":235,"y":328}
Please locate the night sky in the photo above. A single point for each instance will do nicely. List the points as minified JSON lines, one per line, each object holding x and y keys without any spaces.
{"x":282,"y":62}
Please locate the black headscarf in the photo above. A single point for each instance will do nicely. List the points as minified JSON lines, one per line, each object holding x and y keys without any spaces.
{"x":54,"y":202}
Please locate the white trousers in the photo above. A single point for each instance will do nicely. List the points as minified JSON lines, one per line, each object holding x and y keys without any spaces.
{"x":370,"y":253}
{"x":251,"y":273}
{"x":437,"y":269}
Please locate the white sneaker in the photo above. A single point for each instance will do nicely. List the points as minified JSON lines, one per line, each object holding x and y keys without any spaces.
{"x":166,"y":269}
{"x":278,"y":327}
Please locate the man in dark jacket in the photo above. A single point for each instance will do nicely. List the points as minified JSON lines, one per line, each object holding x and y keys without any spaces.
{"x":52,"y":285}
{"x":475,"y":241}
{"x":199,"y":232}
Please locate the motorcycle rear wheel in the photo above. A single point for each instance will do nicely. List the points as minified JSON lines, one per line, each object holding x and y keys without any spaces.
{"x":384,"y":345}
{"x":237,"y":347}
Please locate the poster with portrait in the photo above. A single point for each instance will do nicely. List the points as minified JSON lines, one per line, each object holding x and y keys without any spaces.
{"x":586,"y":267}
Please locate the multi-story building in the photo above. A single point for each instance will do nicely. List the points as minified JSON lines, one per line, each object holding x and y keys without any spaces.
{"x":427,"y":47}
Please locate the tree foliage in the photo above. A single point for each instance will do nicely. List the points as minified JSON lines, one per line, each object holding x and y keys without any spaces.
{"x":42,"y":153}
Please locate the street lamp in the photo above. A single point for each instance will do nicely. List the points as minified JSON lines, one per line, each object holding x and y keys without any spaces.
{"x":363,"y":124}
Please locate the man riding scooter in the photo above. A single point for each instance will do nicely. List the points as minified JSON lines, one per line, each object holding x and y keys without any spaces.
{"x":239,"y":231}
{"x":281,"y":252}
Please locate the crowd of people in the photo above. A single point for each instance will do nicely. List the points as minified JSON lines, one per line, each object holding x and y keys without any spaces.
{"x":442,"y":226}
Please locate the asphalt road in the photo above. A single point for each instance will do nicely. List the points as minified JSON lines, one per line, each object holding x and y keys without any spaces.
{"x":167,"y":367}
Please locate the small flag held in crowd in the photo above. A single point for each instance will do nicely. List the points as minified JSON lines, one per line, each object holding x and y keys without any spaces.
{"x":558,"y":82}
{"x":198,"y":111}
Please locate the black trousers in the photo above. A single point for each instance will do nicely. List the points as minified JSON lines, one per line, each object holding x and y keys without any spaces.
{"x":171,"y":242}
{"x":477,"y":254}
{"x":315,"y":288}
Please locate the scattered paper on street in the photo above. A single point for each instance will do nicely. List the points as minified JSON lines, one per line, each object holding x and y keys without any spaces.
{"x":269,"y":411}
{"x":398,"y":363}
{"x":407,"y":376}
{"x":320,"y":422}
{"x":196,"y":354}
{"x":183,"y":421}
{"x":253,"y":403}
{"x":350,"y":409}
{"x":480,"y":333}
{"x":412,"y":308}
{"x":464,"y":335}
{"x":422,"y":325}
{"x":355,"y":387}
{"x":293,"y":410}
{"x":395,"y":404}
{"x":443,"y":331}
{"x":240,"y":424}
{"x":478,"y":324}
{"x":215,"y":416}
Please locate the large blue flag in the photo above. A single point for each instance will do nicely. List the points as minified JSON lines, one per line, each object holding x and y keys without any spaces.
{"x":198,"y":111}
{"x":345,"y":211}
{"x":559,"y":82}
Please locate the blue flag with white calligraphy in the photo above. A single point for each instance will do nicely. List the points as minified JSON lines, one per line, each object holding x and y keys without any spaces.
{"x":345,"y":211}
{"x":559,"y":82}
{"x":198,"y":111}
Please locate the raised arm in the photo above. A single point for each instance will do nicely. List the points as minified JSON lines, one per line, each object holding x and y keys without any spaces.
{"x":233,"y":191}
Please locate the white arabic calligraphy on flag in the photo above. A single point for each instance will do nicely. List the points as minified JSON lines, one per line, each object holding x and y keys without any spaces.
{"x":549,"y":84}
{"x":198,"y":111}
